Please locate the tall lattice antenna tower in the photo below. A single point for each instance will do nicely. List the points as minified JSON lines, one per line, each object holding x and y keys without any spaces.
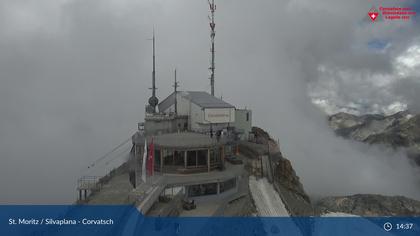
{"x":176,"y":85}
{"x":212,"y":35}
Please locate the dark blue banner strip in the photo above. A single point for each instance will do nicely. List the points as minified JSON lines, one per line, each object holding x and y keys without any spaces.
{"x":126,"y":220}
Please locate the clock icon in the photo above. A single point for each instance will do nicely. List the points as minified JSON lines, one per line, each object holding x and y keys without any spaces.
{"x":387,"y":226}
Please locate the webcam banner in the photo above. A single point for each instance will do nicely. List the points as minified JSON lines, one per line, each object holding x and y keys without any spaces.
{"x":127,"y":220}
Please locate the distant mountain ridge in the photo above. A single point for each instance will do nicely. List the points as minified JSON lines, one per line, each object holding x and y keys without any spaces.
{"x":400,"y":130}
{"x":370,"y":205}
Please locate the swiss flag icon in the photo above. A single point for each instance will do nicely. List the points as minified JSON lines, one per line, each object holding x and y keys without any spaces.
{"x":373,"y":14}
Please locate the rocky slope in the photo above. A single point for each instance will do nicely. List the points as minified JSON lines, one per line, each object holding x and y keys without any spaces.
{"x":370,"y":205}
{"x":400,"y":130}
{"x":285,"y":181}
{"x":290,"y":188}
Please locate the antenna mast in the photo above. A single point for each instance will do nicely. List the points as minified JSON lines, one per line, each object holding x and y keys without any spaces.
{"x":153,"y":100}
{"x":212,"y":35}
{"x":176,"y":85}
{"x":154,"y":67}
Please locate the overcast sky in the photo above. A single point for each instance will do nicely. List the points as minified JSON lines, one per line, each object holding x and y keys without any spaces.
{"x":74,"y":79}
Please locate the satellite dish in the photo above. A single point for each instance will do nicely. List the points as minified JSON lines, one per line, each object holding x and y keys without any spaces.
{"x":153,"y":101}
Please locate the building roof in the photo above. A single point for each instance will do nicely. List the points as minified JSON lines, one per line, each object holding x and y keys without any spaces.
{"x":205,"y":100}
{"x":201,"y":98}
{"x":167,"y":102}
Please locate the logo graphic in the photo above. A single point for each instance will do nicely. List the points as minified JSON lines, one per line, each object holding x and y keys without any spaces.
{"x":390,"y":13}
{"x":373,"y":14}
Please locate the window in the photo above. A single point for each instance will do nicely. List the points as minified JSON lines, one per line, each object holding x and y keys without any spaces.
{"x":202,"y":189}
{"x":202,"y":157}
{"x":157,"y":159}
{"x":179,"y":158}
{"x":247,"y":116}
{"x":191,"y":158}
{"x":168,"y":158}
{"x":214,"y":155}
{"x":227,"y":185}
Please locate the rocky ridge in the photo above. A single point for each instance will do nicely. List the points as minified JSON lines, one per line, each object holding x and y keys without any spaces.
{"x":286,"y":181}
{"x":370,"y":205}
{"x":400,"y":130}
{"x":397,"y":131}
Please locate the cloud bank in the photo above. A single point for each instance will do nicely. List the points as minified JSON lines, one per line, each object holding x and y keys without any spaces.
{"x":75,"y":76}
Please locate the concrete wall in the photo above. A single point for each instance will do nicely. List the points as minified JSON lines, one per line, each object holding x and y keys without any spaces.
{"x":196,"y":116}
{"x":166,"y":103}
{"x":171,"y":109}
{"x":161,"y":124}
{"x":242,"y":124}
{"x":183,"y":105}
{"x":219,"y":115}
{"x":218,"y":196}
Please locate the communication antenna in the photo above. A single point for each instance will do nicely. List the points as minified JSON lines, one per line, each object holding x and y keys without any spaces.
{"x":212,"y":35}
{"x":176,"y":85}
{"x":153,"y":100}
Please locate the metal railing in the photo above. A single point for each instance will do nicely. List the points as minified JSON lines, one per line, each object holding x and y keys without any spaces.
{"x":88,"y":183}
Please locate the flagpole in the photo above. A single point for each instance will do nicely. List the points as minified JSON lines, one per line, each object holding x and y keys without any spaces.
{"x":143,"y":168}
{"x":152,"y":157}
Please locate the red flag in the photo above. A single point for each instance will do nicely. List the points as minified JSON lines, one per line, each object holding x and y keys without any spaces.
{"x":151,"y":159}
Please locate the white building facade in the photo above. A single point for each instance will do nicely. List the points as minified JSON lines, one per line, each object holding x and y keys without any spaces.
{"x":204,"y":111}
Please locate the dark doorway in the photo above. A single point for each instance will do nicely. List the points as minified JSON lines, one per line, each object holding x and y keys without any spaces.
{"x":191,"y":158}
{"x":202,"y":157}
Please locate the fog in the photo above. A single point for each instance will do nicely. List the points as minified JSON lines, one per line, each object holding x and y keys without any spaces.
{"x":74,"y":79}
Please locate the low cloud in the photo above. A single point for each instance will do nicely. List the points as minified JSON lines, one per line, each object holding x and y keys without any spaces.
{"x":74,"y":82}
